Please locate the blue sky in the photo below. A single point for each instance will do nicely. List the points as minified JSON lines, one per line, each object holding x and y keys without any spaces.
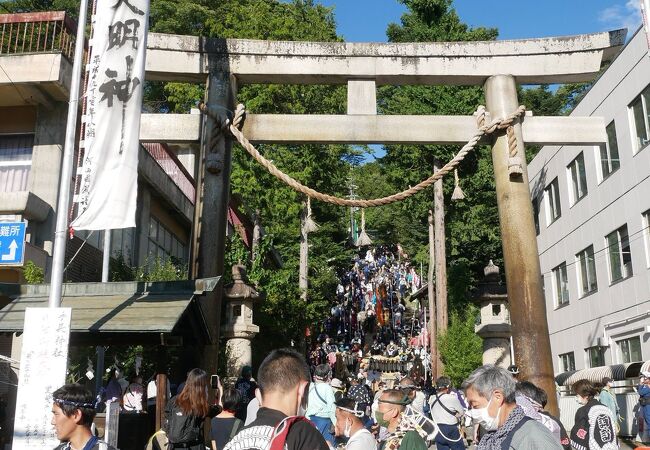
{"x":366,"y":20}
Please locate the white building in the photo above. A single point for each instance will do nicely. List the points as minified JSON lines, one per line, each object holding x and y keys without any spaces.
{"x":592,"y":210}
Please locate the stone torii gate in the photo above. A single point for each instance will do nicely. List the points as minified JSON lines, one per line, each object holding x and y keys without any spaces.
{"x":498,"y":66}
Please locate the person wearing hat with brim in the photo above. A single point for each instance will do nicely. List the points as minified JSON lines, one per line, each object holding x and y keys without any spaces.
{"x":607,"y":398}
{"x":339,"y":389}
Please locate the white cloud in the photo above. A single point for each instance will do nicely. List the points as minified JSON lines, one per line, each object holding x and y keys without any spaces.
{"x":622,"y":15}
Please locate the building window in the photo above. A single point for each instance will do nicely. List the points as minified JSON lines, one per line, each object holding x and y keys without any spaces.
{"x":646,"y":236}
{"x":595,"y":356}
{"x":587,"y":271}
{"x":609,"y":160}
{"x":567,"y":362}
{"x":630,"y":349}
{"x":561,"y":285}
{"x":536,"y":215}
{"x":163,"y":244}
{"x":620,"y":254}
{"x":554,"y":211}
{"x":15,"y":161}
{"x":639,"y":111}
{"x":578,"y":178}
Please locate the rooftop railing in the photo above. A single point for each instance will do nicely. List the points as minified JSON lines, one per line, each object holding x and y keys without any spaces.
{"x":37,"y":32}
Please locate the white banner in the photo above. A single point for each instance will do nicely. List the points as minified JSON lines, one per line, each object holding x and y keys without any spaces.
{"x":107,"y":194}
{"x":43,"y":363}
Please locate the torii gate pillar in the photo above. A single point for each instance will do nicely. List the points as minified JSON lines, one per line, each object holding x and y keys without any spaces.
{"x":523,"y":277}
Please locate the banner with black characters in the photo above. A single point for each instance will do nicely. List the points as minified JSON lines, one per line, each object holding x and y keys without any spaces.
{"x":107,"y":193}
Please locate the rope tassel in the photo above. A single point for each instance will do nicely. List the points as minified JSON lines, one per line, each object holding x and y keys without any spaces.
{"x":310,"y":225}
{"x":458,"y":193}
{"x":364,"y":239}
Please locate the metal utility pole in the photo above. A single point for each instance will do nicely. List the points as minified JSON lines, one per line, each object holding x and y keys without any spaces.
{"x":106,"y":256}
{"x":523,"y":277}
{"x":63,"y":202}
{"x":433,"y":329}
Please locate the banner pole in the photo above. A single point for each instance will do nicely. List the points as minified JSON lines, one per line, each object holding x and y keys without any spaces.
{"x":106,"y":256}
{"x":61,"y":229}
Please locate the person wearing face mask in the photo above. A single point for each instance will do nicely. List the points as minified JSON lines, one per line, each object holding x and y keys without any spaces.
{"x":401,"y":433}
{"x":283,"y":385}
{"x":490,"y":392}
{"x":594,"y":422}
{"x":349,"y":425}
{"x":608,"y":399}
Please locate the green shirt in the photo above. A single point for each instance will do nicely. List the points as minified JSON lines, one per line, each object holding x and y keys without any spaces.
{"x":413,"y":441}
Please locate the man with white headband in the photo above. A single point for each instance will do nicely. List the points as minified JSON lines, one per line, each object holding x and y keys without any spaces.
{"x":348,"y":424}
{"x":73,"y":411}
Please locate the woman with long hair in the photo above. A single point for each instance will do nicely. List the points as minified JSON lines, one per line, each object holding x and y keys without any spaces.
{"x":594,"y":423}
{"x":186,"y":412}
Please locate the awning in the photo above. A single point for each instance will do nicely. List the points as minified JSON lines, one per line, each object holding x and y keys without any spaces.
{"x":124,"y":307}
{"x":616,"y":372}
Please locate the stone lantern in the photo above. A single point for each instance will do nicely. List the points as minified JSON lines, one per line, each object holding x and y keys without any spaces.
{"x":494,"y":326}
{"x":239,"y":328}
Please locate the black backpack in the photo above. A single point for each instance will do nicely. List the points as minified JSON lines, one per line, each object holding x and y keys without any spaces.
{"x":182,"y":428}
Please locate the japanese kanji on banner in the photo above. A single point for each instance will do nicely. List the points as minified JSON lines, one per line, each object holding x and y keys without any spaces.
{"x":107,"y":194}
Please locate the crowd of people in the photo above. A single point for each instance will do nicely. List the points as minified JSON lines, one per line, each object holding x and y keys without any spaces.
{"x":362,"y":385}
{"x":290,"y":406}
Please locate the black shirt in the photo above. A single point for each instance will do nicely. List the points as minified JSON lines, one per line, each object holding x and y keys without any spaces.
{"x":257,"y":435}
{"x":222,"y":428}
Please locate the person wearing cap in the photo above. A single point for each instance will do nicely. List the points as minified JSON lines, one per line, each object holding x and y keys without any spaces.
{"x":73,"y":411}
{"x":390,"y":414}
{"x":349,"y":425}
{"x":445,"y":411}
{"x":339,"y":390}
{"x":608,"y":399}
{"x":643,"y":389}
{"x":416,"y":396}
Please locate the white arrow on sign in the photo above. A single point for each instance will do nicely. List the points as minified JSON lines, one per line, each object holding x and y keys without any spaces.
{"x":12,"y":252}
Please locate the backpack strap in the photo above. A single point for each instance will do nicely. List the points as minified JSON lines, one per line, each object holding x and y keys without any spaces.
{"x":235,"y":428}
{"x":318,"y":395}
{"x":505,"y":444}
{"x":281,"y":431}
{"x":437,"y":400}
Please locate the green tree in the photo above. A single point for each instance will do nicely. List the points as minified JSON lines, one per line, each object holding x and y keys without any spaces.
{"x":461,"y":350}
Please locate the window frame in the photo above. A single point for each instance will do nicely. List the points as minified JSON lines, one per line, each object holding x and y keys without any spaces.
{"x":645,"y":223}
{"x":20,"y":163}
{"x":558,"y":298}
{"x":624,"y":273}
{"x":551,"y":193}
{"x":571,"y":359}
{"x":578,"y":186}
{"x":610,"y":147}
{"x":627,"y":340}
{"x":601,"y":353}
{"x":589,"y":268}
{"x":644,"y":97}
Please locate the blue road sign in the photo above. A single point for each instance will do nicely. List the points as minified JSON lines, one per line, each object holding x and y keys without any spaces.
{"x":12,"y":243}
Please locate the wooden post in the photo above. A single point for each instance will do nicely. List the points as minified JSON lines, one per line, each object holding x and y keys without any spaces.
{"x":303,"y":283}
{"x":523,"y":278}
{"x":433,"y":329}
{"x":211,"y":210}
{"x":161,"y":399}
{"x":441,"y":258}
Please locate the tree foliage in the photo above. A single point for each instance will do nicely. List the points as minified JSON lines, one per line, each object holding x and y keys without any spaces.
{"x":461,"y":350}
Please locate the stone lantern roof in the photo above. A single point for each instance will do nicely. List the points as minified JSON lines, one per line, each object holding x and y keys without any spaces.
{"x":241,"y":288}
{"x":491,"y":288}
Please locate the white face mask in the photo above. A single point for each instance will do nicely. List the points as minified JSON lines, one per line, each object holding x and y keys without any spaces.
{"x":348,"y":428}
{"x":482,"y":417}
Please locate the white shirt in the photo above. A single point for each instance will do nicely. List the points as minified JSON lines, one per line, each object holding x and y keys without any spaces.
{"x":438,"y":413}
{"x":361,"y":440}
